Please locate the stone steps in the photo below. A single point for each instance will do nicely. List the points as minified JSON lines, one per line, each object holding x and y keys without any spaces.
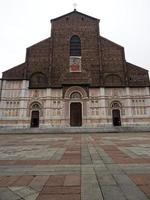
{"x":61,"y":130}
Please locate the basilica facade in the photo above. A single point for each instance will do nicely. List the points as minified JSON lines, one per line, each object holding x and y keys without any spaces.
{"x":75,"y":78}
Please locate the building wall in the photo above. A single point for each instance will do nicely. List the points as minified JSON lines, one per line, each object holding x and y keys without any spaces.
{"x":88,"y":31}
{"x":113,"y":63}
{"x":17,"y":100}
{"x":101,"y":62}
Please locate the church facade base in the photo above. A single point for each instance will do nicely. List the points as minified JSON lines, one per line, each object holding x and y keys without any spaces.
{"x":72,"y":130}
{"x":74,"y":106}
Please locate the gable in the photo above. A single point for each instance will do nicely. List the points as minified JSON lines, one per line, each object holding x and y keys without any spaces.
{"x":137,"y":76}
{"x":18,"y":72}
{"x":39,"y":52}
{"x":73,"y":13}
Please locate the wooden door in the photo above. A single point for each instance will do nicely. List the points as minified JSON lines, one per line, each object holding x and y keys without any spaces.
{"x":35,"y":119}
{"x":116,"y":117}
{"x":76,"y":114}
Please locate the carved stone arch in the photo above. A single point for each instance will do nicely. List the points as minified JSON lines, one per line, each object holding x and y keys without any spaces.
{"x":74,"y":89}
{"x":36,"y":106}
{"x":75,"y":95}
{"x":116,"y":104}
{"x":112,"y":80}
{"x":38,"y":80}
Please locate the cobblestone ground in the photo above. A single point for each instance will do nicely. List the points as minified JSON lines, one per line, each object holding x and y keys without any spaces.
{"x":75,"y":167}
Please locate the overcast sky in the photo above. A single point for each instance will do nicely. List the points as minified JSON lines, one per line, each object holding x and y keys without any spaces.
{"x":25,"y":22}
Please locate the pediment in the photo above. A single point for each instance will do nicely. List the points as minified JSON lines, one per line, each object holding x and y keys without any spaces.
{"x":74,"y":13}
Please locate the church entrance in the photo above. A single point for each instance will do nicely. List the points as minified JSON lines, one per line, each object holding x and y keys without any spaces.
{"x":116,"y":117}
{"x":76,"y":114}
{"x":35,"y":119}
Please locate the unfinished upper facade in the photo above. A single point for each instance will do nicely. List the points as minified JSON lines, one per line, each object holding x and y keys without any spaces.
{"x":75,"y":78}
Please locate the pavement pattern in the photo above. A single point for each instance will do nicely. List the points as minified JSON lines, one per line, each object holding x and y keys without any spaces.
{"x":75,"y":166}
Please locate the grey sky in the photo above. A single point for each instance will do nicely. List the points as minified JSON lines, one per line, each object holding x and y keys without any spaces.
{"x":25,"y":22}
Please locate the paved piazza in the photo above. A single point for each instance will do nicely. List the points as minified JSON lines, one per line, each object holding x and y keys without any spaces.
{"x":75,"y":166}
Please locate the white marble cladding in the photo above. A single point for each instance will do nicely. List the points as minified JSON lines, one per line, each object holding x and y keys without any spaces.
{"x":16,"y":105}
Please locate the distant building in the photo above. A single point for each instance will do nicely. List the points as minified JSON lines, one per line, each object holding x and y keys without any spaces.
{"x":75,"y":78}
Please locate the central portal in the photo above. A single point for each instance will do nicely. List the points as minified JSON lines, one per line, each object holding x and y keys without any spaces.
{"x":76,"y":114}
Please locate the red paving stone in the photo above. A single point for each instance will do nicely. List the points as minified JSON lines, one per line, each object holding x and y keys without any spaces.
{"x":55,"y":181}
{"x":6,"y":181}
{"x":68,"y":186}
{"x":146,"y":190}
{"x":143,"y":181}
{"x":29,"y":162}
{"x":59,"y":197}
{"x":61,"y":190}
{"x":69,"y":161}
{"x":72,"y":180}
{"x":7,"y":162}
{"x":121,"y":158}
{"x":23,"y":181}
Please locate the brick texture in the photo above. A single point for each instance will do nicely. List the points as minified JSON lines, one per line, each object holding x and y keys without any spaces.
{"x":102,"y":61}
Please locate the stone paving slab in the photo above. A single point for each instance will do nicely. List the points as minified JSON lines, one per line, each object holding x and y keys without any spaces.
{"x":75,"y":166}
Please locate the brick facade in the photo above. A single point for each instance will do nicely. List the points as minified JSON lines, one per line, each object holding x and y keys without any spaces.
{"x":102,"y":61}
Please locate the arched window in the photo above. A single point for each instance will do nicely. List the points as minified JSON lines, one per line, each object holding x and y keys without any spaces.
{"x":75,"y":46}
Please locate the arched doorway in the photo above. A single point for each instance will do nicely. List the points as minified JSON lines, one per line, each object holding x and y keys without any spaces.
{"x":35,"y":111}
{"x":116,"y":107}
{"x":35,"y":119}
{"x":116,"y":117}
{"x":75,"y":114}
{"x":76,"y":105}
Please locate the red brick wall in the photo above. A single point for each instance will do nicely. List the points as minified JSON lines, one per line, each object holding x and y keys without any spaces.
{"x":88,"y":31}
